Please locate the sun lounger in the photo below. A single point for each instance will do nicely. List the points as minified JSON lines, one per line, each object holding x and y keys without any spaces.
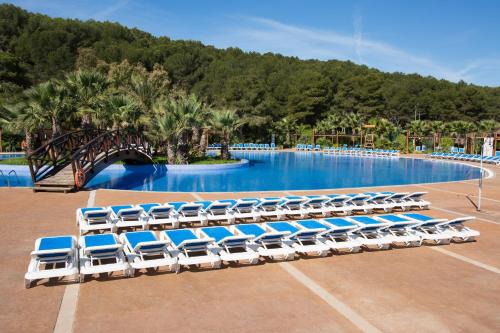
{"x":144,"y":250}
{"x":397,"y":200}
{"x":401,"y":229}
{"x":340,"y":236}
{"x":292,"y":206}
{"x":458,"y":230}
{"x":316,"y":204}
{"x":428,"y":228}
{"x":217,"y":211}
{"x":269,"y":207}
{"x":338,"y":204}
{"x":190,"y":249}
{"x":302,"y":240}
{"x":94,"y":219}
{"x":128,"y":216}
{"x":415,"y":200}
{"x":244,"y":209}
{"x":371,"y":232}
{"x":360,"y":203}
{"x":267,"y":244}
{"x":101,"y":254}
{"x":188,"y":212}
{"x":379,"y":201}
{"x":53,"y":257}
{"x":231,"y":247}
{"x":158,"y":214}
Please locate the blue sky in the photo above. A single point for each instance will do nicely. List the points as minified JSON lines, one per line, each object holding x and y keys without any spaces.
{"x":454,"y":40}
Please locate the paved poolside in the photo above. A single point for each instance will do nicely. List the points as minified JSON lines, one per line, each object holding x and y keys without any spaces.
{"x":451,"y":288}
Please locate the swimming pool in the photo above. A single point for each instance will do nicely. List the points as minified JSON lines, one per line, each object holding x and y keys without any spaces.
{"x":5,"y":156}
{"x":280,"y":171}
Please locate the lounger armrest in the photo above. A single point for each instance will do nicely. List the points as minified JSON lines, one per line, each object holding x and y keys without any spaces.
{"x":458,"y":219}
{"x":54,"y":251}
{"x":89,"y":249}
{"x":193,"y":241}
{"x":235,"y":238}
{"x":306,"y":231}
{"x":272,"y":233}
{"x":150,"y":243}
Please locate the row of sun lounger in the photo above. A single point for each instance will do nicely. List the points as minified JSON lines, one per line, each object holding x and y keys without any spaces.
{"x":466,"y":157}
{"x":253,"y":146}
{"x":360,"y":151}
{"x":307,"y":147}
{"x":228,"y":211}
{"x":106,"y":253}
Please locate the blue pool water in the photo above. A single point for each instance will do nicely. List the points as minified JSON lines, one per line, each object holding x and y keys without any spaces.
{"x":277,"y":171}
{"x":287,"y":171}
{"x":10,"y":155}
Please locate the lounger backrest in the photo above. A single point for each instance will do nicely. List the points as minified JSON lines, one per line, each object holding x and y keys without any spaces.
{"x":53,"y":249}
{"x":367,"y":224}
{"x":104,"y":245}
{"x":95,"y":213}
{"x":459,"y":221}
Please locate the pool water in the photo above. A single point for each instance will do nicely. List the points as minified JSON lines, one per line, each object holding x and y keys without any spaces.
{"x":6,"y":156}
{"x":286,"y":171}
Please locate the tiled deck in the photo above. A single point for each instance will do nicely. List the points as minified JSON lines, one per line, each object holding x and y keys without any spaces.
{"x":417,"y":289}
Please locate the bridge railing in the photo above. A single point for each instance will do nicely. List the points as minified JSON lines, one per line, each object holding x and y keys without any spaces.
{"x":104,"y":145}
{"x":57,"y":153}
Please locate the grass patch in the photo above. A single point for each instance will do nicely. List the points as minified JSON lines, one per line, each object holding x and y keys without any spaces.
{"x":15,"y":161}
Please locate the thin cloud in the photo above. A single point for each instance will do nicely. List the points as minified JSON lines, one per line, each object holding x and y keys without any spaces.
{"x":106,"y":12}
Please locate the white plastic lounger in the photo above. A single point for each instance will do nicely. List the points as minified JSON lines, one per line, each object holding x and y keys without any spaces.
{"x":160,"y":215}
{"x":415,"y":200}
{"x":128,"y":216}
{"x":217,"y":211}
{"x":428,"y":228}
{"x":316,"y":204}
{"x":292,"y":206}
{"x":459,"y":231}
{"x":267,"y":244}
{"x":401,"y":230}
{"x":50,"y":253}
{"x":302,"y":240}
{"x":94,"y":219}
{"x":144,"y":250}
{"x":230,"y":247}
{"x":189,"y":212}
{"x":371,"y":232}
{"x":340,"y":235}
{"x":360,"y":203}
{"x":269,"y":207}
{"x":338,"y":204}
{"x":396,"y":199}
{"x":190,"y":249}
{"x":244,"y":209}
{"x":101,"y":254}
{"x":378,"y":200}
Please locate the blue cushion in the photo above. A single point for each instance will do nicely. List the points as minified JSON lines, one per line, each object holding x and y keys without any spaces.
{"x":217,"y":233}
{"x":99,"y":240}
{"x":312,"y":224}
{"x":283,"y":226}
{"x":137,"y":237}
{"x":148,"y":206}
{"x":205,"y":204}
{"x":55,"y":243}
{"x":365,"y":219}
{"x":419,"y":217}
{"x":394,"y":218}
{"x":231,"y":201}
{"x":116,"y":209}
{"x":339,"y":222}
{"x":177,"y":204}
{"x":251,"y":229}
{"x":91,"y":209}
{"x":178,"y":236}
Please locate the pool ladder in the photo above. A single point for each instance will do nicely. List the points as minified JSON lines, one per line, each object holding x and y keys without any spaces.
{"x":6,"y":179}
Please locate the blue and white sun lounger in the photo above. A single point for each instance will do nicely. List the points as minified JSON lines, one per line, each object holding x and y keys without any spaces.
{"x":231,"y":247}
{"x":401,"y":229}
{"x":217,"y":211}
{"x":397,"y":200}
{"x":50,"y":253}
{"x":158,"y":214}
{"x":341,"y":235}
{"x":302,"y":240}
{"x":379,"y":201}
{"x":94,"y":219}
{"x":244,"y":209}
{"x":190,"y":249}
{"x":267,"y":244}
{"x":371,"y":232}
{"x":188,"y":212}
{"x":269,"y":207}
{"x":415,"y":200}
{"x":96,"y":248}
{"x":338,"y":204}
{"x":360,"y":203}
{"x":128,"y":216}
{"x":292,"y":206}
{"x":317,"y":204}
{"x":144,"y":250}
{"x":459,"y":231}
{"x":429,"y":228}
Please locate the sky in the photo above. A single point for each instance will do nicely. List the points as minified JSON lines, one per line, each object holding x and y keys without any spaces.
{"x":448,"y":39}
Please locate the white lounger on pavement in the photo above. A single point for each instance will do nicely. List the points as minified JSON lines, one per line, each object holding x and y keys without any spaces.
{"x":244,"y":209}
{"x":302,"y":240}
{"x":416,"y":201}
{"x":190,"y":249}
{"x":340,"y":235}
{"x":428,"y":228}
{"x":396,"y":199}
{"x":189,"y":212}
{"x":217,"y":211}
{"x":128,"y":216}
{"x":231,"y":247}
{"x":144,"y":250}
{"x":158,"y":214}
{"x":49,"y":255}
{"x":267,"y":244}
{"x":317,"y":204}
{"x":379,"y":201}
{"x":360,"y":203}
{"x":371,"y":232}
{"x":338,"y":204}
{"x":459,"y":231}
{"x":94,"y":219}
{"x":94,"y":249}
{"x":401,"y":229}
{"x":292,"y":206}
{"x":269,"y":207}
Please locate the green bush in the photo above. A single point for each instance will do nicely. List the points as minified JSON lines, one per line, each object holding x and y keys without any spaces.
{"x":446,"y":143}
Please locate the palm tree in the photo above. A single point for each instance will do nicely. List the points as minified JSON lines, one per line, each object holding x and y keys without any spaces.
{"x":436,"y":127}
{"x":488,"y":126}
{"x":226,"y":122}
{"x":121,"y":111}
{"x":87,"y":89}
{"x":354,"y":122}
{"x":28,"y":120}
{"x":287,"y":125}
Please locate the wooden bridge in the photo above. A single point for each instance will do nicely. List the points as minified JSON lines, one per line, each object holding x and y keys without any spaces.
{"x":69,"y":161}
